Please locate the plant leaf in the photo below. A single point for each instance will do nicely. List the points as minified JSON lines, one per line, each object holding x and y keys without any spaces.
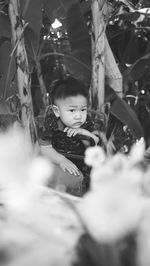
{"x":138,"y":69}
{"x":79,"y":62}
{"x":31,"y":11}
{"x":5,"y":30}
{"x":127,"y":116}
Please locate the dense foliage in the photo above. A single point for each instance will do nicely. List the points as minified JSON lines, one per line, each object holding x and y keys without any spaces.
{"x":67,"y":50}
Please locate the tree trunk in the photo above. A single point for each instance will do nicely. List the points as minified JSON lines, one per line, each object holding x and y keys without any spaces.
{"x":23,"y":76}
{"x":103,"y":61}
{"x":98,"y":58}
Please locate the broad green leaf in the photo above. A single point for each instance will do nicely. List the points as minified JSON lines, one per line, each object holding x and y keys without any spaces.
{"x":127,"y":116}
{"x":77,"y":30}
{"x":5,"y":30}
{"x":31,"y":11}
{"x":79,"y":62}
{"x":138,"y":69}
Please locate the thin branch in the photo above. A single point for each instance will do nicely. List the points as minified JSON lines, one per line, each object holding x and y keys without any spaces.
{"x":129,"y":5}
{"x":65,"y":55}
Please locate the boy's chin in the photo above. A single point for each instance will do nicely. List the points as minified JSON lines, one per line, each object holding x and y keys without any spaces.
{"x":76,"y":125}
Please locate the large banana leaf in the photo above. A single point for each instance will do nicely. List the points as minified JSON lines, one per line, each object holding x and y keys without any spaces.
{"x":79,"y":61}
{"x":31,"y":11}
{"x":138,"y":69}
{"x":5,"y":30}
{"x":127,"y":116}
{"x":122,"y":111}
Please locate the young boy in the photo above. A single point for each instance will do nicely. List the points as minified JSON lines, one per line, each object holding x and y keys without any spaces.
{"x":68,"y":128}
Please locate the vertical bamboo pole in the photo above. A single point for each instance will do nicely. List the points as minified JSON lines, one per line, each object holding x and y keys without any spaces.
{"x":98,"y":52}
{"x":103,"y":61}
{"x":23,"y":76}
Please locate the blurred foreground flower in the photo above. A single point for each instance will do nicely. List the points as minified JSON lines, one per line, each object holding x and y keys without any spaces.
{"x":137,"y":151}
{"x":112,"y":211}
{"x":94,"y":156}
{"x":110,"y":224}
{"x":116,"y":201}
{"x":37,"y":226}
{"x":23,"y":173}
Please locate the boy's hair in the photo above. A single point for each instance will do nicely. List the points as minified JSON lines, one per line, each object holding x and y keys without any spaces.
{"x":68,"y":87}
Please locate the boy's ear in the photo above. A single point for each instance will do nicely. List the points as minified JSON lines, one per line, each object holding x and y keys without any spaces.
{"x":56,"y":111}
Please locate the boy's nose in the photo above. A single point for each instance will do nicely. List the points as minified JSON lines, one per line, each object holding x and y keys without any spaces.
{"x":78,"y":115}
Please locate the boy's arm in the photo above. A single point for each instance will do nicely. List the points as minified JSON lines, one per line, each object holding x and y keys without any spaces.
{"x":73,"y":132}
{"x":57,"y":158}
{"x":90,"y":134}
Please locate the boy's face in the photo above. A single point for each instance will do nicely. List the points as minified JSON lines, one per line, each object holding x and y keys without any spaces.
{"x":72,"y":111}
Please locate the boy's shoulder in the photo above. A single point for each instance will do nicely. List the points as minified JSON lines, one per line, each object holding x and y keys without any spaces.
{"x":49,"y":110}
{"x":51,"y":120}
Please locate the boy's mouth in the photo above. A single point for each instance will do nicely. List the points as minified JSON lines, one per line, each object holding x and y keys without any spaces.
{"x":77,"y":124}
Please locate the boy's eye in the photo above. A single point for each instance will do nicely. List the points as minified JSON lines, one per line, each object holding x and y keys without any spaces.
{"x":72,"y":110}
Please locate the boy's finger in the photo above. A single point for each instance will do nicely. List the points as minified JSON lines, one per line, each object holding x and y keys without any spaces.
{"x":71,"y":171}
{"x":74,"y":133}
{"x":69,"y":134}
{"x":69,"y":131}
{"x":65,"y":129}
{"x":76,"y":171}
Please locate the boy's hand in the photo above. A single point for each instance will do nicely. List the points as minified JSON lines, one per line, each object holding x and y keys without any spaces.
{"x":67,"y":165}
{"x":71,"y":132}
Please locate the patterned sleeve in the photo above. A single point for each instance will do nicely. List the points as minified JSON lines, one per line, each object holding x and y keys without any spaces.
{"x":94,"y":124}
{"x":89,"y":124}
{"x":49,"y":127}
